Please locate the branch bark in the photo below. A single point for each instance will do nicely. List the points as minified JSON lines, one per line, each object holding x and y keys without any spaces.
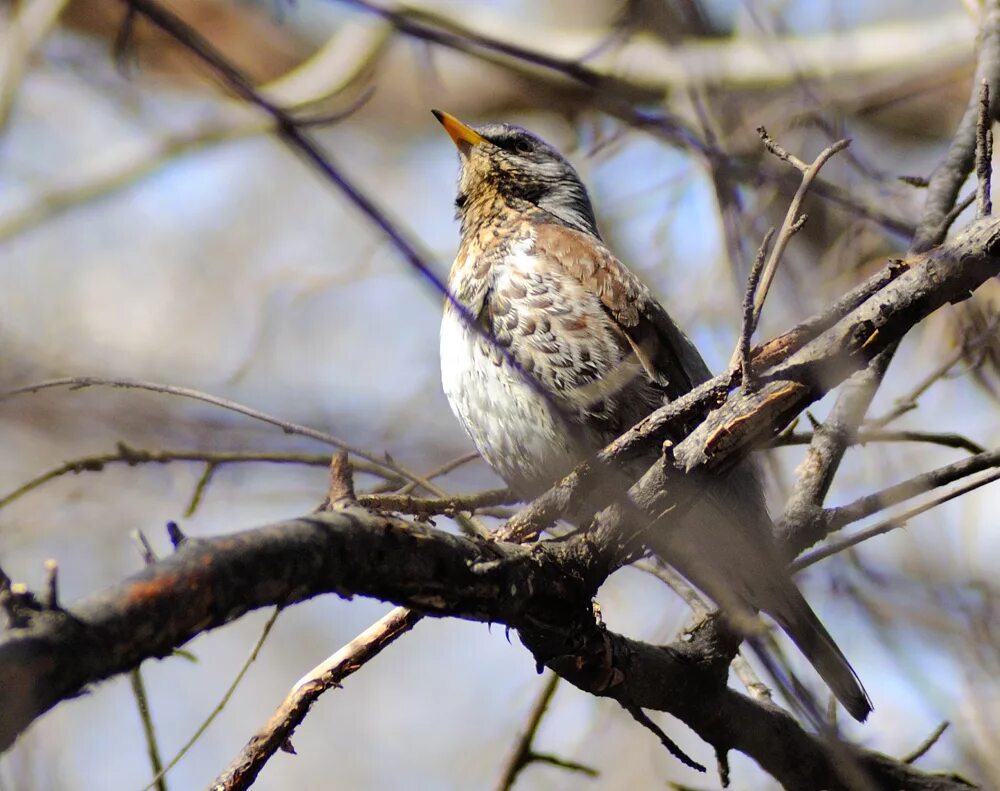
{"x":543,"y":591}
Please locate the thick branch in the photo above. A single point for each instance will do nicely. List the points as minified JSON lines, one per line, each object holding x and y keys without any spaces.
{"x":209,"y":582}
{"x":543,"y":591}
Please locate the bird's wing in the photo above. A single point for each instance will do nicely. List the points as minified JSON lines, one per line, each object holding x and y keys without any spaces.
{"x":668,"y":357}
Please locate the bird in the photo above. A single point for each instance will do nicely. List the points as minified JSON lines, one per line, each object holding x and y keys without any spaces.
{"x":551,"y":348}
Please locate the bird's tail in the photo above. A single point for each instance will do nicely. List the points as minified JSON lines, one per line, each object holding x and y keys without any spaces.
{"x":802,"y":625}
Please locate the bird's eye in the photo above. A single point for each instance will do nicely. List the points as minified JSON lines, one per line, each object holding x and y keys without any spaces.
{"x":523,"y":146}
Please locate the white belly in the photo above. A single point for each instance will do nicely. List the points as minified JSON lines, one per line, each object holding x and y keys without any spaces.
{"x":511,"y":424}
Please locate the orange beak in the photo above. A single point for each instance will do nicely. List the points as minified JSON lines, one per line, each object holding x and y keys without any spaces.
{"x":463,"y":136}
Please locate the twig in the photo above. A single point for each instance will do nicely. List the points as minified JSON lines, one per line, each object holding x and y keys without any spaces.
{"x":887,"y":525}
{"x":51,"y":597}
{"x":241,"y":773}
{"x":175,"y":534}
{"x":200,"y":488}
{"x":666,"y":574}
{"x":437,"y":472}
{"x":948,"y":178}
{"x":959,"y":207}
{"x":139,"y":687}
{"x":926,"y":744}
{"x":643,"y":719}
{"x":838,"y":518}
{"x":132,"y":456}
{"x":793,"y":218}
{"x":251,"y":658}
{"x":749,"y":324}
{"x":423,"y":507}
{"x":701,"y":609}
{"x":524,"y":753}
{"x":81,"y":382}
{"x":390,"y":468}
{"x":341,"y":489}
{"x":145,"y":548}
{"x":866,"y":436}
{"x":984,"y":153}
{"x":152,"y":749}
{"x":908,"y":402}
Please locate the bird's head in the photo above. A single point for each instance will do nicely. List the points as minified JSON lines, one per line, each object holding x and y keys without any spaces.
{"x":507,"y":164}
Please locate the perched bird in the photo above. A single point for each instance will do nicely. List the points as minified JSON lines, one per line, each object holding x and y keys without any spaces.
{"x":570,"y":351}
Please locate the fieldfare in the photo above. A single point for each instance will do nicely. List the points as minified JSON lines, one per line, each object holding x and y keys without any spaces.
{"x":570,"y":351}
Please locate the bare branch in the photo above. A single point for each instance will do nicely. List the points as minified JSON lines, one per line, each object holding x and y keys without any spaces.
{"x":81,"y":382}
{"x":926,"y":744}
{"x":984,"y":153}
{"x":341,"y":490}
{"x":524,"y":752}
{"x":838,"y":518}
{"x":749,"y":324}
{"x":251,"y":658}
{"x":866,"y":436}
{"x":132,"y":456}
{"x":889,"y":524}
{"x":643,"y":719}
{"x":793,"y":217}
{"x":422,"y":507}
{"x":544,"y":592}
{"x":277,"y":732}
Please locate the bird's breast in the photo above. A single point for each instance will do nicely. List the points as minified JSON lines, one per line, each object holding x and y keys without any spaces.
{"x":518,"y":433}
{"x":533,"y":367}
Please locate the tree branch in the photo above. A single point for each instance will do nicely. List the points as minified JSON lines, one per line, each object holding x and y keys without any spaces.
{"x":542,"y":591}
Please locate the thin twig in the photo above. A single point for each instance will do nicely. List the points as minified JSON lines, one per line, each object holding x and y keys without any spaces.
{"x":866,"y":436}
{"x":200,"y":488}
{"x":926,"y":744}
{"x":437,"y":472}
{"x":152,"y":749}
{"x":424,"y":507}
{"x":701,"y":609}
{"x":524,"y":753}
{"x":278,"y":730}
{"x":984,"y":153}
{"x":749,"y":324}
{"x":908,"y":402}
{"x":863,"y":507}
{"x":959,"y":160}
{"x":643,"y":719}
{"x":139,"y":687}
{"x":51,"y":596}
{"x":887,"y":525}
{"x":959,"y":207}
{"x":81,"y":382}
{"x":251,"y":658}
{"x":132,"y":456}
{"x":389,"y":467}
{"x":793,"y":218}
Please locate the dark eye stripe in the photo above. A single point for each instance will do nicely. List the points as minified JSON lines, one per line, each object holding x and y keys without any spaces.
{"x":516,"y":145}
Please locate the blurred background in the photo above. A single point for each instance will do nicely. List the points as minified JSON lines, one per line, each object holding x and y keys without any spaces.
{"x":152,"y":228}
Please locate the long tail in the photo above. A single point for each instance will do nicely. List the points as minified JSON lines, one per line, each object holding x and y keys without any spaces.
{"x":807,"y":632}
